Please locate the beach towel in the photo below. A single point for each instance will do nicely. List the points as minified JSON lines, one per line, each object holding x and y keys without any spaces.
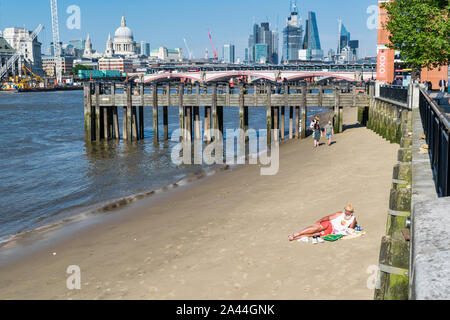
{"x":355,"y":234}
{"x":332,"y":237}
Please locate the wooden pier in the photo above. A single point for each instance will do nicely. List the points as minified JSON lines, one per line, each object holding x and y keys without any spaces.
{"x":102,"y":101}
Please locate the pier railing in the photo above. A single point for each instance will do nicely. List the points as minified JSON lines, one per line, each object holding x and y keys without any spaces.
{"x":437,"y":129}
{"x":395,"y":93}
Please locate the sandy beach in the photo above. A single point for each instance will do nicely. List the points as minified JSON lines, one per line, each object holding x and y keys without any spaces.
{"x":226,"y":236}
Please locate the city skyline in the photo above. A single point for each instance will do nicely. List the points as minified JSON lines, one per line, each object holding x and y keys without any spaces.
{"x":198,"y":16}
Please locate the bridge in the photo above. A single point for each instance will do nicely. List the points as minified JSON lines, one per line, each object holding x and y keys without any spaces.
{"x":253,"y":75}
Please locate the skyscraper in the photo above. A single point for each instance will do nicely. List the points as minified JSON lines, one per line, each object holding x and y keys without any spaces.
{"x":344,"y":37}
{"x":263,"y":35}
{"x":292,"y":36}
{"x":145,"y":49}
{"x":228,"y":53}
{"x":311,"y":42}
{"x":347,"y":48}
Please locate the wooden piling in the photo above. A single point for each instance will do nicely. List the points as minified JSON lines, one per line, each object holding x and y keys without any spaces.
{"x":276,"y":123}
{"x":181,"y":110}
{"x":116,"y":123}
{"x":291,"y":123}
{"x":105,"y":123}
{"x":269,"y":113}
{"x":88,"y":114}
{"x":129,"y":114}
{"x":125,"y":123}
{"x":304,"y":112}
{"x":166,"y":114}
{"x":337,"y":103}
{"x":98,"y":132}
{"x":207,"y":124}
{"x":155,"y":114}
{"x":134,"y":124}
{"x":297,"y":123}
{"x":242,"y":131}
{"x":215,"y":119}
{"x":320,"y":96}
{"x":282,"y":127}
{"x":188,"y":119}
{"x":141,"y":112}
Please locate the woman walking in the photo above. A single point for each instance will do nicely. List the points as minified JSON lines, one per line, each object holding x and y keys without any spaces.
{"x":317,"y":132}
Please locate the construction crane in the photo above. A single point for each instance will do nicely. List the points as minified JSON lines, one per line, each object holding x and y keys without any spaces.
{"x":56,"y":41}
{"x":212,"y":46}
{"x":11,"y":61}
{"x":188,"y":49}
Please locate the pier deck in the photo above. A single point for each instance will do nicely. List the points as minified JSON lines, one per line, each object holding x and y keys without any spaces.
{"x":102,"y":99}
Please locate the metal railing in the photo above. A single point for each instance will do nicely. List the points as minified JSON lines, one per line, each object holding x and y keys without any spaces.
{"x":437,"y":128}
{"x":396,"y":93}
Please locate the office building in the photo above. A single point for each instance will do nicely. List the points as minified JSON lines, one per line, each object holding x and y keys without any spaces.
{"x":121,"y":64}
{"x":261,"y":53}
{"x":347,"y":50}
{"x":292,"y":36}
{"x":262,"y":35}
{"x":145,"y":49}
{"x":228,"y":53}
{"x":311,"y":42}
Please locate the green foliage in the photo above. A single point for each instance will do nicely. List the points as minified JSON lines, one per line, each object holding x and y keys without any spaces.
{"x":420,"y":29}
{"x":80,"y":67}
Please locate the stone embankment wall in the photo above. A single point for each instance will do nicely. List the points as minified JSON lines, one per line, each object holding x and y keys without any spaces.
{"x":415,"y":252}
{"x":392,"y":120}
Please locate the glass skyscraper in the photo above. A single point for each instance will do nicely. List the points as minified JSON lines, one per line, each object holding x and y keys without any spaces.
{"x":262,"y":35}
{"x":292,"y":36}
{"x":347,"y":48}
{"x":344,"y":37}
{"x":228,"y":53}
{"x":311,"y":42}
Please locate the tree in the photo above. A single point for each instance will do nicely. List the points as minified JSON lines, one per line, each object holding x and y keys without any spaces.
{"x":420,"y":30}
{"x":79,"y":67}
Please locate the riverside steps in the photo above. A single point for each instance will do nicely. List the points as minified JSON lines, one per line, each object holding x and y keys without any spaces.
{"x":102,"y":101}
{"x":414,"y":252}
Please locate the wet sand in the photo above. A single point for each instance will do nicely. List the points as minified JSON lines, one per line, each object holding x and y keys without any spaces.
{"x":225,"y":237}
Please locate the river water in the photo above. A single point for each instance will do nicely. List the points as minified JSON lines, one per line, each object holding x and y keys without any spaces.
{"x":49,"y":173}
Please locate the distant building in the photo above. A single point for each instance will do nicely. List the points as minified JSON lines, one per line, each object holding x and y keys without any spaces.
{"x":124,"y":44}
{"x":229,"y":53}
{"x":292,"y":36}
{"x":311,"y":42}
{"x":145,"y":49}
{"x":78,"y":44}
{"x":347,"y":50}
{"x":6,"y":51}
{"x":121,"y":64}
{"x":86,"y":63}
{"x":21,"y":38}
{"x":164,"y":54}
{"x":49,"y":64}
{"x":262,"y":35}
{"x":261,"y":53}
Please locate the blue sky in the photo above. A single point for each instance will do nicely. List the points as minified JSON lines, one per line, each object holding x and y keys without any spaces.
{"x":167,"y":22}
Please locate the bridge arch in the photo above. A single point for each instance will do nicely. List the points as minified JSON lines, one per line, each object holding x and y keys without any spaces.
{"x":318,"y":74}
{"x":241,"y":73}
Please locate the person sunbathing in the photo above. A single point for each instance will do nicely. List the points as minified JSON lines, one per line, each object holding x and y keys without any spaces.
{"x":337,"y":223}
